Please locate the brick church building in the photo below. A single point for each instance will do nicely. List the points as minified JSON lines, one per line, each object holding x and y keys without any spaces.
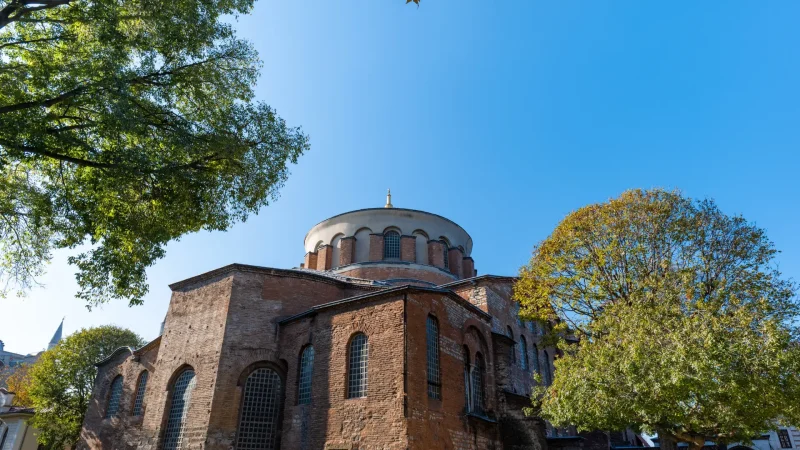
{"x":385,"y":337}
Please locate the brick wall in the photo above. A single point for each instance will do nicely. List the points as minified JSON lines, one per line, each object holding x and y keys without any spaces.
{"x":456,"y":257}
{"x":436,"y":253}
{"x":347,"y":248}
{"x":310,"y":261}
{"x":443,"y":423}
{"x":124,"y":430}
{"x":408,"y":248}
{"x":371,"y":423}
{"x":324,"y":257}
{"x":375,"y":247}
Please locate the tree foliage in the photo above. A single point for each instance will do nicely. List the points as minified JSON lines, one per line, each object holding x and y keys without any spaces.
{"x":18,"y":382}
{"x":686,"y":327}
{"x":125,"y":124}
{"x":61,"y":381}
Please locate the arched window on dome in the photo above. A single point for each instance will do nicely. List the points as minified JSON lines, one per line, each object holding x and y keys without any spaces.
{"x":305,"y":375}
{"x":357,"y":358}
{"x":391,"y":245}
{"x":336,"y":254}
{"x":259,"y":419}
{"x":523,"y":353}
{"x":114,"y":396}
{"x":180,"y":400}
{"x":446,"y":254}
{"x":141,"y":386}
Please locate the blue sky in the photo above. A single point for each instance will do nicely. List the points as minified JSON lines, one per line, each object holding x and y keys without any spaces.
{"x":502,"y":116}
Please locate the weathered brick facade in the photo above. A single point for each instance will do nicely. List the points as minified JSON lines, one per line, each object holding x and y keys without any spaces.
{"x":240,"y":320}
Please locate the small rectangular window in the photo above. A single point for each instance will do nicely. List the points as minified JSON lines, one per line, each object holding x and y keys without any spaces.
{"x":783,"y":436}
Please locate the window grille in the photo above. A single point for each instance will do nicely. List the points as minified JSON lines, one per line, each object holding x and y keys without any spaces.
{"x":306,"y":370}
{"x":434,"y":374}
{"x":513,"y":355}
{"x":535,"y":358}
{"x":5,"y":434}
{"x":446,"y":258}
{"x":478,"y":375}
{"x":259,"y":420}
{"x":467,"y":383}
{"x":176,"y":419}
{"x":523,"y":353}
{"x":548,"y":375}
{"x":783,"y":436}
{"x":357,"y":370}
{"x":114,"y":397}
{"x":140,"y":388}
{"x":391,"y":245}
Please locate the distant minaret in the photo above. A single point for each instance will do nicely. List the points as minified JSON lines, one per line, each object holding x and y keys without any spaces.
{"x":388,"y":199}
{"x":57,"y":336}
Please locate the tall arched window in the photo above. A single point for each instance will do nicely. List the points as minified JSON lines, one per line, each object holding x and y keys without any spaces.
{"x":391,"y":245}
{"x":446,"y":250}
{"x":178,"y":408}
{"x":114,"y":396}
{"x":141,"y":385}
{"x":467,"y":382}
{"x":535,"y":358}
{"x":434,"y":375}
{"x":4,"y":435}
{"x":546,"y":373}
{"x":523,"y":353}
{"x":477,"y":380}
{"x":513,"y":354}
{"x":358,"y":354}
{"x":304,"y":378}
{"x":259,"y":420}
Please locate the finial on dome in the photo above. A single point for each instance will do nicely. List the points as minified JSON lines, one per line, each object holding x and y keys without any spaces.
{"x":388,"y":199}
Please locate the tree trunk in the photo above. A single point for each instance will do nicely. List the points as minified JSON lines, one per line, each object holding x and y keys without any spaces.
{"x":666,"y":441}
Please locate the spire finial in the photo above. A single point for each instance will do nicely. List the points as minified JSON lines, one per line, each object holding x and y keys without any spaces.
{"x":388,"y":199}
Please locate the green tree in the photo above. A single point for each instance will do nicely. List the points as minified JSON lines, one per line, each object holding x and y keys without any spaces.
{"x":686,"y":327}
{"x":61,"y":381}
{"x":125,"y":124}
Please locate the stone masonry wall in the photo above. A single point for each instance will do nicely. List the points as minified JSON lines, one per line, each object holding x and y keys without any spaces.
{"x":443,"y":423}
{"x":124,"y":430}
{"x":332,"y":420}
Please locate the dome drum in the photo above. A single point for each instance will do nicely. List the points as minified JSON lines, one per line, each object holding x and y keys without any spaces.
{"x":390,"y":243}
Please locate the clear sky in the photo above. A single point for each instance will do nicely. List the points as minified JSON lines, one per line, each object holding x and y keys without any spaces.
{"x":502,"y":116}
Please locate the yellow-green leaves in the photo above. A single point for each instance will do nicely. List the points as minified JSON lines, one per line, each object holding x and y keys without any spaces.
{"x":686,"y":327}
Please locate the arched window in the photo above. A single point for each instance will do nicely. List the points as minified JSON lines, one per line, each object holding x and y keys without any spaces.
{"x":434,"y":375}
{"x":467,"y":382}
{"x":114,"y":396}
{"x":523,"y":353}
{"x":141,"y":385}
{"x":546,"y":373}
{"x":477,"y":380}
{"x":3,"y":427}
{"x":513,"y":355}
{"x":304,"y":378}
{"x":535,"y":358}
{"x":178,"y":408}
{"x":259,"y":419}
{"x":357,"y":366}
{"x":391,"y":245}
{"x":445,"y":249}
